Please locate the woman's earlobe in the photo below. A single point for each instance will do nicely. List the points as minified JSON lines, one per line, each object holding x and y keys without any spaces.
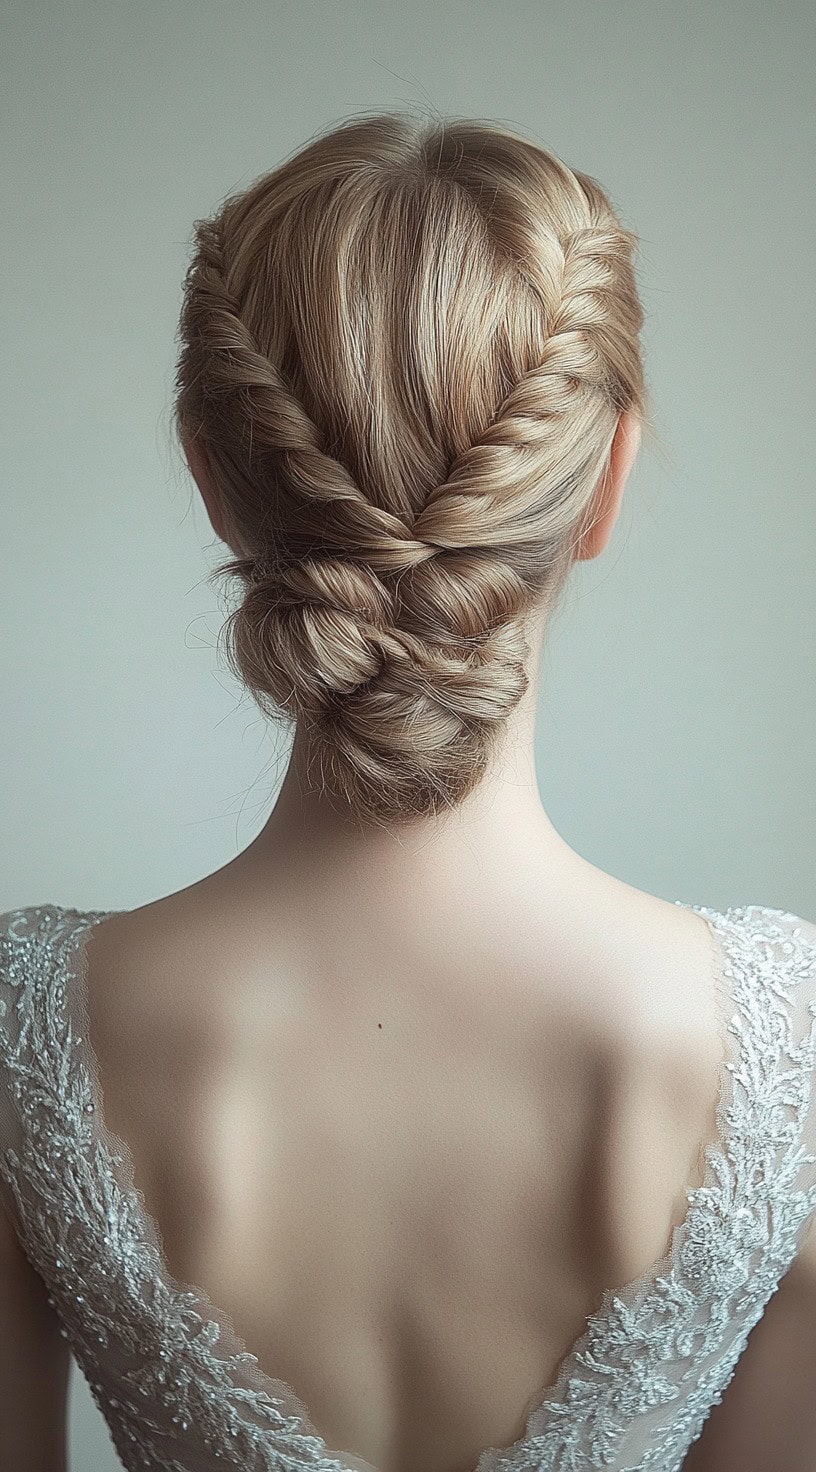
{"x":199,"y":466}
{"x":608,"y":497}
{"x":604,"y":513}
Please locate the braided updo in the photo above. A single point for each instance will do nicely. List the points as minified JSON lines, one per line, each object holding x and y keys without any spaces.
{"x":406,"y":351}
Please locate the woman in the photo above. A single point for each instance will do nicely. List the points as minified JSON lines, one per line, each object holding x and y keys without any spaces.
{"x":487,"y":1158}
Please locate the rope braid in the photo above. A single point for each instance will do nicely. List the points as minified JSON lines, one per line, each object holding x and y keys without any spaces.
{"x":400,"y":643}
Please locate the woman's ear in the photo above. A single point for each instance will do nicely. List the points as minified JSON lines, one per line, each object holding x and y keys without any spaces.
{"x":609,"y":495}
{"x":195,"y":453}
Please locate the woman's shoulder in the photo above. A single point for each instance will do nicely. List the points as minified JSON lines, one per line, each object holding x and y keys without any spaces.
{"x":41,"y":932}
{"x":24,"y":925}
{"x":764,"y":941}
{"x":762,"y":918}
{"x":34,"y":937}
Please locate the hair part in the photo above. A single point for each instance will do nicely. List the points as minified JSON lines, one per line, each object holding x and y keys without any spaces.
{"x":406,"y":351}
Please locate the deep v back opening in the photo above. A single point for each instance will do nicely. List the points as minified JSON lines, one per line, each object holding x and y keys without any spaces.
{"x":208,"y":1332}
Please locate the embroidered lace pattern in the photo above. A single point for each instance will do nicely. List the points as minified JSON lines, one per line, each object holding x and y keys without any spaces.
{"x":180,"y":1391}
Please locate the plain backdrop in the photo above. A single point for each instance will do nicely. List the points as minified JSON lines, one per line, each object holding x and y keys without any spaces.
{"x":678,"y":710}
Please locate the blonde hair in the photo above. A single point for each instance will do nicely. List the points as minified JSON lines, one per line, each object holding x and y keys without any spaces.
{"x":406,"y":351}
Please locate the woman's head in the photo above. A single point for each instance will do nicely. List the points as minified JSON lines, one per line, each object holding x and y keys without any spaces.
{"x":405,"y":354}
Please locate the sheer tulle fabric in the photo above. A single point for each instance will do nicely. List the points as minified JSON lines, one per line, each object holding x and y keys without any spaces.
{"x":178,"y":1387}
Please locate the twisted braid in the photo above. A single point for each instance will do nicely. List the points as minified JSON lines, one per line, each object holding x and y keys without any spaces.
{"x":399,"y":641}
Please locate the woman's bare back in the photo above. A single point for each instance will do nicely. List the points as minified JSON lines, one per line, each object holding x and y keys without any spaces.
{"x":407,"y":1173}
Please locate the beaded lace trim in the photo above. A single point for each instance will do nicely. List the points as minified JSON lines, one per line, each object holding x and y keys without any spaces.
{"x":178,"y":1387}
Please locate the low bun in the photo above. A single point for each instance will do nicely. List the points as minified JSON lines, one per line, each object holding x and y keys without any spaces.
{"x":402,"y":724}
{"x":311,"y":629}
{"x":406,"y":350}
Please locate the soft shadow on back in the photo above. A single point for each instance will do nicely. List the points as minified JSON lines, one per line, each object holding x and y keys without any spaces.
{"x":408,"y":1179}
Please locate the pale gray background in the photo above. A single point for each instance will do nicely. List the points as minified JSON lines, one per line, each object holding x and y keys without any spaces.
{"x":677,"y":724}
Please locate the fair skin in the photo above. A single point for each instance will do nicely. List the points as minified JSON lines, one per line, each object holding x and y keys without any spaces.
{"x":389,"y":1094}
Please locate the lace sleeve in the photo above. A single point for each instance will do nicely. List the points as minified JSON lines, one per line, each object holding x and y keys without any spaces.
{"x":18,"y":957}
{"x":799,"y":944}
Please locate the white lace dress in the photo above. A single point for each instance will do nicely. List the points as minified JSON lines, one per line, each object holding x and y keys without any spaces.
{"x":178,"y":1388}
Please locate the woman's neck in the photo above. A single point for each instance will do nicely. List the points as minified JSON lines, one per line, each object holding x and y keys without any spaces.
{"x":499,"y":827}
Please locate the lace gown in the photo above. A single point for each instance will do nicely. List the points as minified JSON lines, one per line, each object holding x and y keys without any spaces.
{"x":178,"y":1388}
